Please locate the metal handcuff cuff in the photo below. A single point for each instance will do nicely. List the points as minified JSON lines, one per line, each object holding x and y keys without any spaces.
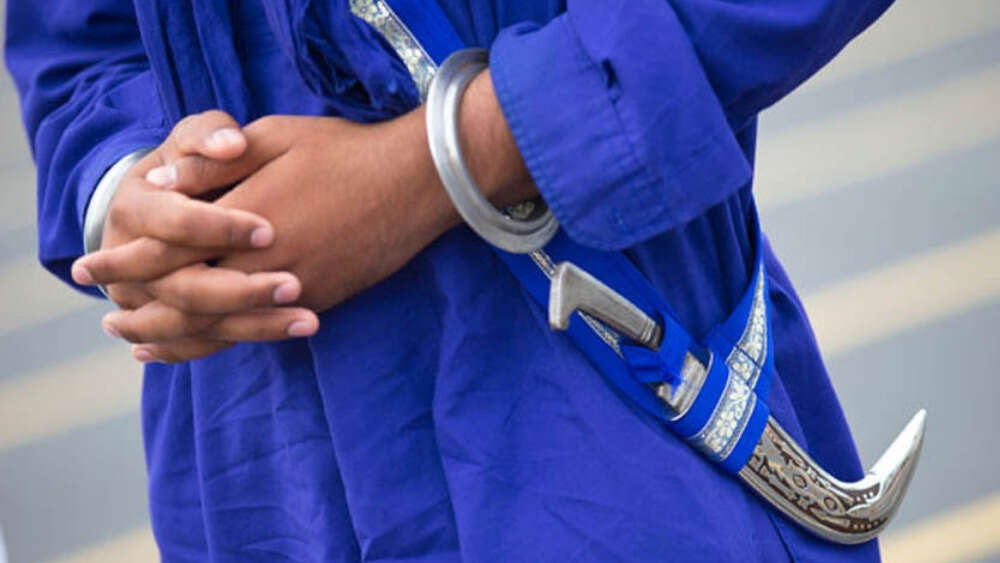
{"x":523,"y":228}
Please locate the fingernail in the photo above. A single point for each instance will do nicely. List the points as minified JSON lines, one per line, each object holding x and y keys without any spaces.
{"x":286,"y":293}
{"x":110,"y":330}
{"x":82,"y":276}
{"x":261,"y":237}
{"x":222,"y":138}
{"x":298,"y":329}
{"x":144,"y":355}
{"x":162,"y":176}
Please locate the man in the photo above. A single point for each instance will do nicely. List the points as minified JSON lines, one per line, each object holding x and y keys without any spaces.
{"x":412,"y":403}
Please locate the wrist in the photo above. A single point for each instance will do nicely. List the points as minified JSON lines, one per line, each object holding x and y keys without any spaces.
{"x":420,"y":198}
{"x":100,"y":199}
{"x":490,"y":151}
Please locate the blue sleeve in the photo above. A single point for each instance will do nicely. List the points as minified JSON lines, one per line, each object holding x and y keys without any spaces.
{"x":87,"y":99}
{"x":626,"y":111}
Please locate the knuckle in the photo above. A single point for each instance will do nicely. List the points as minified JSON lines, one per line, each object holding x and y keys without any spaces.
{"x":131,"y":300}
{"x":130,"y":333}
{"x":248,"y":295}
{"x":187,"y":326}
{"x":119,"y":296}
{"x":215,"y":329}
{"x":195,"y":168}
{"x":183,"y":296}
{"x":183,"y":126}
{"x":230,"y":232}
{"x":105,"y":268}
{"x":216,"y":116}
{"x":184,"y":122}
{"x":166,"y":354}
{"x":118,"y":213}
{"x":179,"y":226}
{"x":127,"y":296}
{"x":157,"y":251}
{"x":266,"y":123}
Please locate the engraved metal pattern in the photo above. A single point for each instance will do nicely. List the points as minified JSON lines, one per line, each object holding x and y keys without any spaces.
{"x":723,"y":430}
{"x":781,"y":472}
{"x":747,"y":358}
{"x":380,"y":16}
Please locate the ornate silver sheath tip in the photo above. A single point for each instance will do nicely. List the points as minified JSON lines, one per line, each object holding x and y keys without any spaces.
{"x":783,"y":474}
{"x":779,"y":470}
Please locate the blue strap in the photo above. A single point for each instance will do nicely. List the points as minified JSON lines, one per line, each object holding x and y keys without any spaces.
{"x":728,"y":416}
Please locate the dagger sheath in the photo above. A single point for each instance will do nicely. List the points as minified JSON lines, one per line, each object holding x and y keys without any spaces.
{"x":778,"y":469}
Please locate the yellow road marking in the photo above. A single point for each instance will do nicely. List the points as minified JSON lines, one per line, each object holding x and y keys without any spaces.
{"x":910,"y":29}
{"x":31,"y":295}
{"x":964,"y":534}
{"x":873,"y":140}
{"x":136,"y":546}
{"x":905,"y":294}
{"x":73,"y":394}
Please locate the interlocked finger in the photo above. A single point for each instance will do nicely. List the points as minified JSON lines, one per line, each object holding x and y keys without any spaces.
{"x":266,"y":324}
{"x":140,"y":260}
{"x":202,"y":289}
{"x":128,"y":295}
{"x":174,"y":217}
{"x":157,"y":322}
{"x":178,"y":351}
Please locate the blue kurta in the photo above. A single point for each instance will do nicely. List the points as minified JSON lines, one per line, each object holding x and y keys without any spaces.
{"x":435,"y":417}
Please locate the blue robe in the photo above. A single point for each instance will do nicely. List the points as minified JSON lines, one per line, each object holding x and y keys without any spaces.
{"x":435,"y":417}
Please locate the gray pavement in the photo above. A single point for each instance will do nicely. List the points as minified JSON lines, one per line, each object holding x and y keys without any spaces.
{"x":80,"y":485}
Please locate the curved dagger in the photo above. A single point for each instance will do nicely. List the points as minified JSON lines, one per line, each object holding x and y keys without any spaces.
{"x":779,"y":470}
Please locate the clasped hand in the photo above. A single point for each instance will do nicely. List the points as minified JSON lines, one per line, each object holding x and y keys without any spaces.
{"x":319,"y":209}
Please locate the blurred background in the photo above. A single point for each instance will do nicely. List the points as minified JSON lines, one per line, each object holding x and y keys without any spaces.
{"x":879,"y":185}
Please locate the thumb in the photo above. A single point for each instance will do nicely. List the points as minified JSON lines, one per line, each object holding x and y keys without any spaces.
{"x":212,"y":134}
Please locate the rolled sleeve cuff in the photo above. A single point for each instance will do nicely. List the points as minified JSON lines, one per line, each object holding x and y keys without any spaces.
{"x":115,"y":153}
{"x":610,"y":176}
{"x":62,"y":241}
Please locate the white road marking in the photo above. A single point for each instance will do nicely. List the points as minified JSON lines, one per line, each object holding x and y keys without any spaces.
{"x":912,"y":292}
{"x":966,"y":533}
{"x":70,"y":395}
{"x":136,"y":546}
{"x":31,"y":295}
{"x":909,"y":29}
{"x":873,"y":140}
